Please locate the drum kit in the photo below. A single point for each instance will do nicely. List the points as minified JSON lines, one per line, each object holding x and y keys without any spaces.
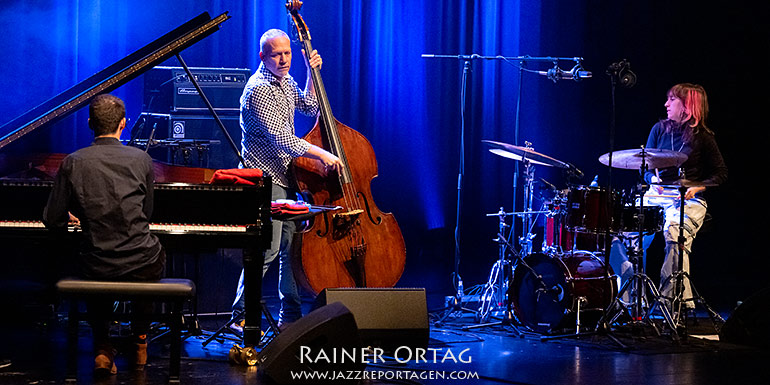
{"x":567,"y":285}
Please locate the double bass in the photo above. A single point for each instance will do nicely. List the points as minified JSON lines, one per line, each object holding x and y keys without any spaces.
{"x":357,"y":246}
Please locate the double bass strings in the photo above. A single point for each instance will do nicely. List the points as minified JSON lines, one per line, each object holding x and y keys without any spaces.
{"x":345,"y":178}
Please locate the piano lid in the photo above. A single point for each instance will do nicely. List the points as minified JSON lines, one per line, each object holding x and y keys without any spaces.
{"x":112,"y":77}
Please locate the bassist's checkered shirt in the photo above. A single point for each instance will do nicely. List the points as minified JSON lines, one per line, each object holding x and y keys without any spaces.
{"x":267,"y":121}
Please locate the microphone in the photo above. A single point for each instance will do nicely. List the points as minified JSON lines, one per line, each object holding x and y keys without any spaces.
{"x":548,"y":184}
{"x":576,"y":73}
{"x":556,"y":292}
{"x":574,"y":170}
{"x":155,"y":115}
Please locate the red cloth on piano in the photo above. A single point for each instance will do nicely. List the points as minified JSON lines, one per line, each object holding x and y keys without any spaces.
{"x":287,"y":207}
{"x":247,"y":176}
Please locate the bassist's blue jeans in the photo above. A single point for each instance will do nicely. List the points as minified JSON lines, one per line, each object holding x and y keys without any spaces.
{"x":283,"y":233}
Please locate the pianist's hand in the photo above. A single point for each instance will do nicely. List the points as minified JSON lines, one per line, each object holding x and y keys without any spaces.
{"x":74,"y":221}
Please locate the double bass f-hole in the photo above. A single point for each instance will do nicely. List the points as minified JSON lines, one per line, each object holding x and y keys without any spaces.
{"x":376,"y":221}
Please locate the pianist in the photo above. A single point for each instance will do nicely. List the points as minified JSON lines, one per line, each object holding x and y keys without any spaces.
{"x":108,"y":187}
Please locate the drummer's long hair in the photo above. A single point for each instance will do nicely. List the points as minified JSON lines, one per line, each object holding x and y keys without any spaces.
{"x":696,"y":105}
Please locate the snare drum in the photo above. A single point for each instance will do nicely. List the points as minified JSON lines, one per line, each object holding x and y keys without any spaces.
{"x":588,"y":210}
{"x":654,"y":217}
{"x":567,"y":280}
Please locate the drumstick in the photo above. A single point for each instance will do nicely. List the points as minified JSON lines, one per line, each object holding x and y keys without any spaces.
{"x":658,"y":189}
{"x":661,"y":196}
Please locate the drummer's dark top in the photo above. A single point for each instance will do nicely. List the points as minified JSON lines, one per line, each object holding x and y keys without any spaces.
{"x":704,"y":160}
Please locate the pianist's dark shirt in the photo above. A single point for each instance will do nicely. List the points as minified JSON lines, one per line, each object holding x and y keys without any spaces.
{"x":108,"y":186}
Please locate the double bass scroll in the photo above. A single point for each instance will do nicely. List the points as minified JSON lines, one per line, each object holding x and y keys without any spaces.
{"x":358,"y":246}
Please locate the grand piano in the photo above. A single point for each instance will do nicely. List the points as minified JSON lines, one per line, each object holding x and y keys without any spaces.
{"x":188,"y":212}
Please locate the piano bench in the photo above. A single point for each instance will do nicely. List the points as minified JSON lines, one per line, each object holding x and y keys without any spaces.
{"x":170,"y":291}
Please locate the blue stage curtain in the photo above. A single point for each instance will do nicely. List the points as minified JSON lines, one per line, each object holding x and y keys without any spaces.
{"x":377,"y":82}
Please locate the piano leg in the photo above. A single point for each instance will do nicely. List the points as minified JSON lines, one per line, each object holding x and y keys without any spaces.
{"x":253,"y":260}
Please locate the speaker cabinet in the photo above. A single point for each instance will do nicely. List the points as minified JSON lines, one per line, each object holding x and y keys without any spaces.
{"x":195,"y":140}
{"x":750,"y":322}
{"x":324,"y":341}
{"x":168,"y":90}
{"x":386,"y":317}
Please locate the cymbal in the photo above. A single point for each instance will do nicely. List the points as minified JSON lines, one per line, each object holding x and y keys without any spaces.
{"x":684,"y":183}
{"x":521,"y":153}
{"x":654,"y":158}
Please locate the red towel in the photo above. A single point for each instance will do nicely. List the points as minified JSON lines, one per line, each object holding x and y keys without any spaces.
{"x":288,"y":207}
{"x":247,"y":176}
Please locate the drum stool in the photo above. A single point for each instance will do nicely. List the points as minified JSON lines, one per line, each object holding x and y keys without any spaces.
{"x":170,"y":291}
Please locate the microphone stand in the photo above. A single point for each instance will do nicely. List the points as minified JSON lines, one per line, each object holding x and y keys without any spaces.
{"x":505,"y":58}
{"x":456,"y":304}
{"x":603,"y":325}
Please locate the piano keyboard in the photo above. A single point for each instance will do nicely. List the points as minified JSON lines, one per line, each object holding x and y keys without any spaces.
{"x":154,"y":227}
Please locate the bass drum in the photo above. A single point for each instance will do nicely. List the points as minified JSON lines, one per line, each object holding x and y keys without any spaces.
{"x":550,"y":304}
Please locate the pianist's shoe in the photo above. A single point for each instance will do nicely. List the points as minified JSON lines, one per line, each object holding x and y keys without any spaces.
{"x":104,"y":363}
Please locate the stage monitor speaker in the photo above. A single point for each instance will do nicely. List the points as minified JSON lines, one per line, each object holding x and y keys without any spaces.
{"x":386,"y":317}
{"x":312,"y":346}
{"x":750,"y":322}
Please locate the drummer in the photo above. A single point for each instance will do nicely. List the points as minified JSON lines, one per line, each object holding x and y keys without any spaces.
{"x":684,"y":130}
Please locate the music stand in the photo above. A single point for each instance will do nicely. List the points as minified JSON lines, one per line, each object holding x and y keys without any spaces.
{"x":238,"y":337}
{"x":249,"y":336}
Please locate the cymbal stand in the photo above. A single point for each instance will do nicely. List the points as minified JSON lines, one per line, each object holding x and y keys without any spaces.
{"x":519,"y":263}
{"x":639,"y":281}
{"x":494,"y":297}
{"x":496,"y":288}
{"x":497,"y":279}
{"x":525,"y":241}
{"x":680,"y":275}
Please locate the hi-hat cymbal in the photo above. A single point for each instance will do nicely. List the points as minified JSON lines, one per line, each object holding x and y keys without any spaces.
{"x":684,"y":183}
{"x":521,"y":153}
{"x":634,"y":158}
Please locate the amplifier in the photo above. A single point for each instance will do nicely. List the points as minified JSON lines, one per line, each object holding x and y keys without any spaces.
{"x":168,"y":90}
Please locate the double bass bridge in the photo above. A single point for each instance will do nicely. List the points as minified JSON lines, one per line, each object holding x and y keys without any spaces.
{"x":342,"y":223}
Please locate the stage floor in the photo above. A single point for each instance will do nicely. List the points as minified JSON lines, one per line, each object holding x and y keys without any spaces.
{"x":486,"y":355}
